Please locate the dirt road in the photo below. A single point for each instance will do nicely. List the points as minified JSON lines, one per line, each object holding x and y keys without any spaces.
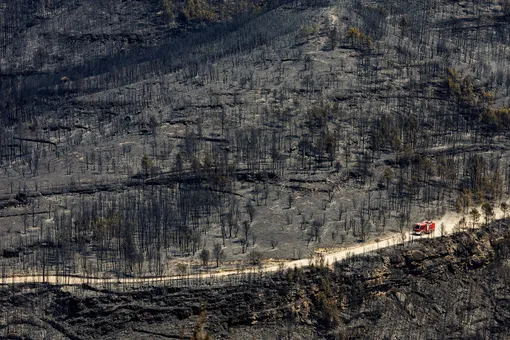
{"x":449,"y":221}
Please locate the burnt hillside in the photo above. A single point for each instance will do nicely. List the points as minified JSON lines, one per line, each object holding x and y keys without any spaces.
{"x":144,"y":143}
{"x":452,"y":287}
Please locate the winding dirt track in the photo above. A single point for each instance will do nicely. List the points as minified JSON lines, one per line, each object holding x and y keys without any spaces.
{"x":449,"y":220}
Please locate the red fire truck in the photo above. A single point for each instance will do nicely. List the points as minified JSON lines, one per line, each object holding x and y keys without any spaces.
{"x":425,"y":227}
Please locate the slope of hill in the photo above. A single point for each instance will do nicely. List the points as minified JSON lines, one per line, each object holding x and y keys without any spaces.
{"x":129,"y":144}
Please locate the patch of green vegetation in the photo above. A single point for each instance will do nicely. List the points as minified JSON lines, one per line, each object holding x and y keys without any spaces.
{"x":199,"y":10}
{"x":203,"y":11}
{"x":493,"y":120}
{"x":496,"y":119}
{"x":359,"y":39}
{"x":327,"y":304}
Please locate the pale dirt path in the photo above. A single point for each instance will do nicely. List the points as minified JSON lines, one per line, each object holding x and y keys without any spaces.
{"x":449,"y":220}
